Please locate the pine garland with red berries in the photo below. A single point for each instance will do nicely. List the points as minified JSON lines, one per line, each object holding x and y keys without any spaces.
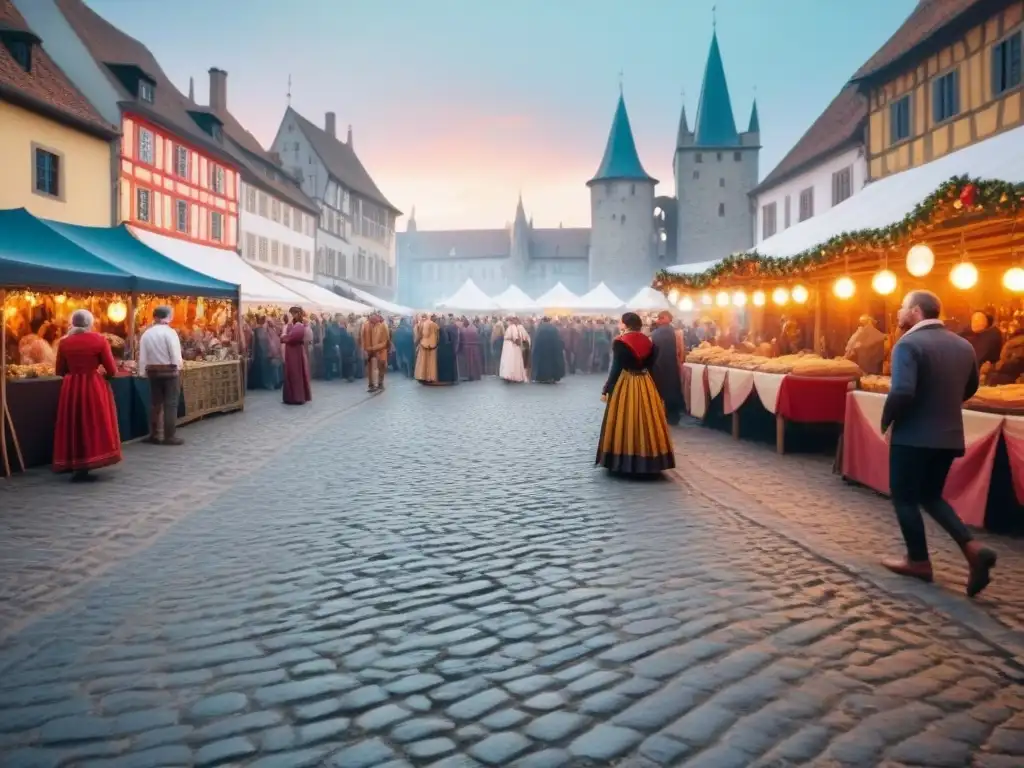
{"x":960,"y":196}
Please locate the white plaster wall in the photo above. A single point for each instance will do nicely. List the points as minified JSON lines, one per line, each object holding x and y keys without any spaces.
{"x":621,"y":251}
{"x":818,"y":176}
{"x":270,"y":229}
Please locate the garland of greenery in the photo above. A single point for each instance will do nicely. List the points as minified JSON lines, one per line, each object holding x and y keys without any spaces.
{"x":959,"y":196}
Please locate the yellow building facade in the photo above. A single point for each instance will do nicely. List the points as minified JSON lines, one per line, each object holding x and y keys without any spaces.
{"x":83,"y":178}
{"x":966,"y":92}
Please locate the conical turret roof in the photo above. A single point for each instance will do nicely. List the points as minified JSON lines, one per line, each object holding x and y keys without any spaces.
{"x":621,"y":162}
{"x":755,"y":121}
{"x":716,"y":126}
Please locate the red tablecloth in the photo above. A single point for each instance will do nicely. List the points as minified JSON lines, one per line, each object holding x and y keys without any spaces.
{"x":813,"y":399}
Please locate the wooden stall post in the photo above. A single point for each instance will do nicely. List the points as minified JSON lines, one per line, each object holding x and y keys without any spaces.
{"x":736,"y":424}
{"x":780,"y":433}
{"x":133,"y":302}
{"x":243,"y":355}
{"x":816,"y":341}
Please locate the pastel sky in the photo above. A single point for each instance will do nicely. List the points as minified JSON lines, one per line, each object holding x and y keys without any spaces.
{"x":458,"y":105}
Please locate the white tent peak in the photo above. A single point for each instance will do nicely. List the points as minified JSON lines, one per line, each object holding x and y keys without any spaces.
{"x":601,"y":298}
{"x":515,"y":299}
{"x":649,"y":299}
{"x":558,"y":297}
{"x":470,"y":298}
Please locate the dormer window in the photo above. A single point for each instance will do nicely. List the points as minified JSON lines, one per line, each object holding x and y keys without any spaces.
{"x":147,"y":91}
{"x":21,"y":52}
{"x":217,"y":132}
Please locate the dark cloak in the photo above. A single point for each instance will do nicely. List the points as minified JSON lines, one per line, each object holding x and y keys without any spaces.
{"x":548,"y":354}
{"x":665,"y":371}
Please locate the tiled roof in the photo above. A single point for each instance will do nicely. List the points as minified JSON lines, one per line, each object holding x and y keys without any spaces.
{"x":620,"y":161}
{"x":715,"y":126}
{"x":928,"y":18}
{"x":108,"y":45}
{"x":252,"y":166}
{"x":45,"y":88}
{"x":342,"y":162}
{"x":457,"y":244}
{"x":560,"y":243}
{"x":841,"y":125}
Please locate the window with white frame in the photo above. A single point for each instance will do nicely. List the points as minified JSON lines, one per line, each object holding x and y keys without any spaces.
{"x":217,"y":178}
{"x":250,"y":246}
{"x":275,"y":252}
{"x":146,"y":91}
{"x":946,"y":96}
{"x":181,"y":218}
{"x":899,"y":120}
{"x":306,"y":254}
{"x":806,"y":204}
{"x":769,"y":220}
{"x":46,"y":169}
{"x":181,"y":161}
{"x":1006,"y":64}
{"x":787,"y":217}
{"x":142,"y":198}
{"x":217,"y":226}
{"x":264,"y":205}
{"x":286,"y":215}
{"x":250,"y":198}
{"x":286,"y":255}
{"x":842,"y":184}
{"x":146,"y":149}
{"x":264,"y":249}
{"x":275,"y":209}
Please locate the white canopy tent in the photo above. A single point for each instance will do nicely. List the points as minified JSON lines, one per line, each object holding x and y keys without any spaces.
{"x":598,"y":300}
{"x":514,"y":299}
{"x":649,"y":299}
{"x":557,"y":298}
{"x":322,"y":298}
{"x":378,"y":303}
{"x":256,"y":288}
{"x":469,"y":298}
{"x":888,"y":200}
{"x":692,"y":269}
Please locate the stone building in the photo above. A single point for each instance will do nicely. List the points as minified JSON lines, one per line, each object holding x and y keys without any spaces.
{"x":633,"y":232}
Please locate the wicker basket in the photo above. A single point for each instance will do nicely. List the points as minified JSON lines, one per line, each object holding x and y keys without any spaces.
{"x":212,"y":388}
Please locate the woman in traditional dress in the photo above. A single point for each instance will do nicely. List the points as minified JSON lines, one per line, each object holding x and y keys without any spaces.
{"x":512,"y":367}
{"x":634,"y":434}
{"x":471,"y":354}
{"x":297,"y":390}
{"x":86,"y":436}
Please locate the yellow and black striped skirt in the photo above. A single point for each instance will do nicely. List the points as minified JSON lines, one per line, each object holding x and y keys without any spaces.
{"x":634,"y":434}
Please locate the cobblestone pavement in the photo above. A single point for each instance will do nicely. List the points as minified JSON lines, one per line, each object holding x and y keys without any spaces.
{"x":439,"y":578}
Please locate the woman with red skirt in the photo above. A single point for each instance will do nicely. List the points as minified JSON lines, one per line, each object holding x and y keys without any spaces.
{"x":86,"y":436}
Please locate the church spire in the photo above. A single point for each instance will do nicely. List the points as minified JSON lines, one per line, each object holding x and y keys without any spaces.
{"x":755,"y":122}
{"x":716,"y":126}
{"x":683,"y":134}
{"x":410,"y":225}
{"x":620,"y":161}
{"x":520,"y":212}
{"x":192,"y":90}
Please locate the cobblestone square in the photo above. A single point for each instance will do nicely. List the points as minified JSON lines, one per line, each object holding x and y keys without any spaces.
{"x":439,"y":577}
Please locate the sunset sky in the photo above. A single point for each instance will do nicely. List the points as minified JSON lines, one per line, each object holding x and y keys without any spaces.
{"x":457,"y":105}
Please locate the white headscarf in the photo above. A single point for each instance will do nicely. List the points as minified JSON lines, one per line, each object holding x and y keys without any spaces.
{"x":81,"y":322}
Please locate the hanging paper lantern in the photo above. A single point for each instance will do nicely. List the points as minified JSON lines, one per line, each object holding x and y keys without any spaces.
{"x":884,"y":282}
{"x":707,"y":299}
{"x":920,"y":260}
{"x":673,"y":295}
{"x":686,"y":304}
{"x":844,"y":288}
{"x":1013,"y":280}
{"x":758,"y":298}
{"x":964,"y":276}
{"x":117,"y":311}
{"x":800,"y":294}
{"x":722,"y":299}
{"x":780,"y":296}
{"x":60,"y":298}
{"x":739,"y":299}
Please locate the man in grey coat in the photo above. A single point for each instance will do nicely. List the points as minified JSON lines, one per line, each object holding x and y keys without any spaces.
{"x":933,"y":373}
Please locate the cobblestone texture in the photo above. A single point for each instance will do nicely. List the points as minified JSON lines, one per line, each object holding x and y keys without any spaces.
{"x":440,"y":578}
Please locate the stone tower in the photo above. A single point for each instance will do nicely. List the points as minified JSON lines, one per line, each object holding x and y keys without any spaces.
{"x":622,"y":247}
{"x":715,"y":168}
{"x":519,"y":246}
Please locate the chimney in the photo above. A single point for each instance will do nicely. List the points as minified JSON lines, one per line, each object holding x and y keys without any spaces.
{"x":349,"y":140}
{"x":329,"y":125}
{"x":218,"y":90}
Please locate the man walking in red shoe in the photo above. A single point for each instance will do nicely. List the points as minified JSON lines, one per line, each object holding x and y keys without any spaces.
{"x":933,"y":373}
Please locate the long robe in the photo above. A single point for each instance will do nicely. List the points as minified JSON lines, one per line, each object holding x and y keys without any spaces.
{"x":448,"y":355}
{"x":666,"y":373}
{"x":548,"y":354}
{"x":471,"y":358}
{"x":405,"y":348}
{"x":426,"y":337}
{"x":86,"y":435}
{"x":512,"y":367}
{"x":262,"y":374}
{"x":297,"y":389}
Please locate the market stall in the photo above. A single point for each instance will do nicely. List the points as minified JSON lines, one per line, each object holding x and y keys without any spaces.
{"x":50,"y":269}
{"x":559,"y":300}
{"x":600,"y":300}
{"x":469,"y":298}
{"x":365,"y":297}
{"x":316,"y":297}
{"x":514,"y":299}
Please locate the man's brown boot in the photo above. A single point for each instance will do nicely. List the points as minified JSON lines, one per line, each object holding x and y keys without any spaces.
{"x":981,"y":561}
{"x":915,"y":570}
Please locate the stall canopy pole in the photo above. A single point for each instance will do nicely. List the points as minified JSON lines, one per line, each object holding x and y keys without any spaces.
{"x":130,"y":341}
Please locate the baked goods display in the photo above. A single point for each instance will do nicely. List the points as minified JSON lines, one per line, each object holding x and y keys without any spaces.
{"x":34,"y":371}
{"x":878,"y":384}
{"x":1008,"y":397}
{"x":801,"y":364}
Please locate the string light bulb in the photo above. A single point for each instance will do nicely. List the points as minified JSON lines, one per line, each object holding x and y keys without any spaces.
{"x":920,"y":260}
{"x":739,"y":299}
{"x":758,"y":298}
{"x":722,"y":299}
{"x":964,"y":276}
{"x":706,"y":299}
{"x":844,"y":288}
{"x":117,"y":311}
{"x":780,"y":296}
{"x":686,"y":304}
{"x":800,"y":294}
{"x":673,"y":295}
{"x":1013,"y":280}
{"x":884,"y":282}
